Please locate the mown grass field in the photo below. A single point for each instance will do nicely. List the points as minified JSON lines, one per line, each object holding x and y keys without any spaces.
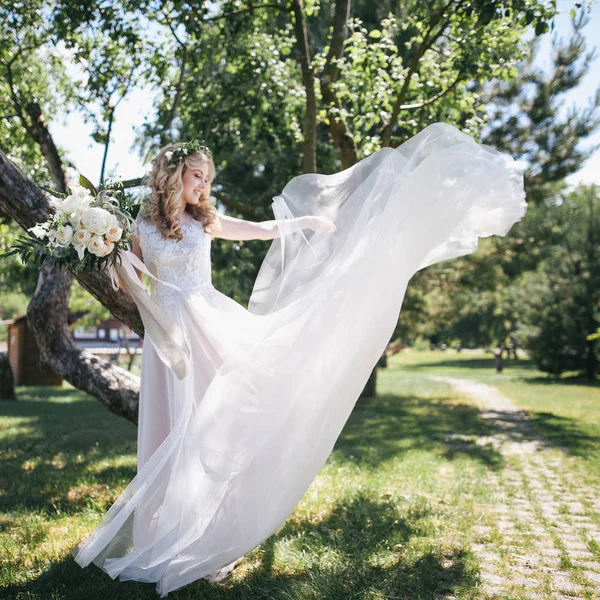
{"x":390,"y":515}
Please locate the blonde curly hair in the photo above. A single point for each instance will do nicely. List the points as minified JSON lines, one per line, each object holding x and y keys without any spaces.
{"x":167,"y":191}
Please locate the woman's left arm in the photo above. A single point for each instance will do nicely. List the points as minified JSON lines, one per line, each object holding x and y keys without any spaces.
{"x":240,"y":229}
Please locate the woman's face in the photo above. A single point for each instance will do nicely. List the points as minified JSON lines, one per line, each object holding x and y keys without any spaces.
{"x":194,"y":182}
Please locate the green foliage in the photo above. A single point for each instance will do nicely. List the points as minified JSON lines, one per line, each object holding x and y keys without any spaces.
{"x":14,"y":275}
{"x":561,"y":300}
{"x":236,"y":82}
{"x":481,"y":298}
{"x":82,"y":302}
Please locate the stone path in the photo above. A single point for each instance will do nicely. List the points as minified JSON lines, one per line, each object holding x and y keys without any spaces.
{"x":546,"y":525}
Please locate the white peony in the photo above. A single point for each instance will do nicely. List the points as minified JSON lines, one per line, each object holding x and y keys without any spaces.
{"x":82,"y":236}
{"x":64,"y":235}
{"x":78,"y":201}
{"x":96,"y":245}
{"x":97,"y":220}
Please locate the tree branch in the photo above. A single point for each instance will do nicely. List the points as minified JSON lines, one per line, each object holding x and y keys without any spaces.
{"x":240,"y":11}
{"x":179,"y":87}
{"x":111,"y":120}
{"x":428,"y":40}
{"x":435,"y":97}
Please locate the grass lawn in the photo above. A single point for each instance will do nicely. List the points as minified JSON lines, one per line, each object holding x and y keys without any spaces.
{"x":390,"y":515}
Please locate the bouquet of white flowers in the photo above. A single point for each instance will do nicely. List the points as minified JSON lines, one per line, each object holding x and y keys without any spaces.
{"x":87,"y":230}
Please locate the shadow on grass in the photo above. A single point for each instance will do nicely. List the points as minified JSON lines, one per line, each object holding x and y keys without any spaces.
{"x":382,"y":428}
{"x":567,"y":434}
{"x":566,"y":381}
{"x":54,"y":447}
{"x":472,"y":363}
{"x":66,"y":455}
{"x":354,"y":531}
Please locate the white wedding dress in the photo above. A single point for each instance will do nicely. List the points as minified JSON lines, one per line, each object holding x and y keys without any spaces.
{"x":239,"y":409}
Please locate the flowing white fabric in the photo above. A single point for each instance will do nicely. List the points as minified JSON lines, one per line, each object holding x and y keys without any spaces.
{"x":227,"y":451}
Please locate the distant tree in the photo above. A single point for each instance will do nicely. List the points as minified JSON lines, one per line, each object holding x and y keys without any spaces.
{"x":527,"y":119}
{"x":560,"y":302}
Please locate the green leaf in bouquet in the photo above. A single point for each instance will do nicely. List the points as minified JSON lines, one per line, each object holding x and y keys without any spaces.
{"x":86,"y":183}
{"x":53,"y":192}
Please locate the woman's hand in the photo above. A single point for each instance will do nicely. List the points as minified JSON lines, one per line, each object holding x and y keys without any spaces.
{"x":318,"y":223}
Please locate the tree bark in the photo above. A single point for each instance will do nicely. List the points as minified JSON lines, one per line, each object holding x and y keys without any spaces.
{"x":369,"y":391}
{"x":47,"y":312}
{"x":309,"y":156}
{"x":338,"y":128}
{"x":38,"y":130}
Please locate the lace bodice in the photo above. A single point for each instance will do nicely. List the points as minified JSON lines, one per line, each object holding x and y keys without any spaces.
{"x":184,"y":263}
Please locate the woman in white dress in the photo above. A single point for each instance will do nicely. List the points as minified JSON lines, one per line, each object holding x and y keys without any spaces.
{"x":239,"y":409}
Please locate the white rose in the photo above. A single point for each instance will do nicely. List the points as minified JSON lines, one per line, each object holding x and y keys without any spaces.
{"x":64,"y":235}
{"x":114,"y":233}
{"x":108,"y":247}
{"x":96,"y":245}
{"x":97,"y":220}
{"x":82,"y":236}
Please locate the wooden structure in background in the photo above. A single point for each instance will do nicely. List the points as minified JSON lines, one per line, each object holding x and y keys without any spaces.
{"x":24,"y":355}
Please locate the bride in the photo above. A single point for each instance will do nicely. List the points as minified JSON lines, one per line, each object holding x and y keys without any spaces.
{"x":239,"y":409}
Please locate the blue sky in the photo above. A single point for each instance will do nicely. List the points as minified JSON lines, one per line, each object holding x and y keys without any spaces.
{"x":73,"y":134}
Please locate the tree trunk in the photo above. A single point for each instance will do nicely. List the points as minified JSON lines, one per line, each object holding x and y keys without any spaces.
{"x":47,"y":314}
{"x":7,"y":381}
{"x":369,"y":390}
{"x":309,"y":150}
{"x":591,"y":361}
{"x":498,"y":361}
{"x":338,"y":128}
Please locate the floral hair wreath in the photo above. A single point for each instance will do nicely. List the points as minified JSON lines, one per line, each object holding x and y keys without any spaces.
{"x":186,"y":149}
